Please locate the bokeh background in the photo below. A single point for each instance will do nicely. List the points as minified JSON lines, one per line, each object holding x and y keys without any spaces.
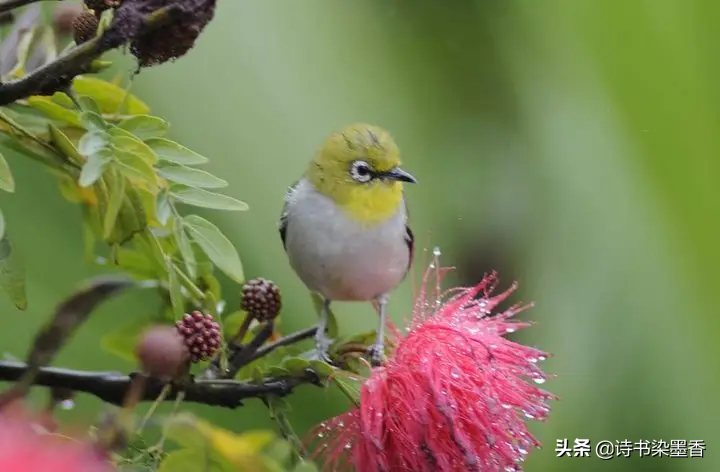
{"x":570,"y":145}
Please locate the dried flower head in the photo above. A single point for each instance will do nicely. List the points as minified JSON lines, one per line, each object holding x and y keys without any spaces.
{"x":201,"y":333}
{"x":173,"y":40}
{"x":261,"y":299}
{"x":84,"y":26}
{"x":162,"y":352}
{"x":452,"y":397}
{"x":24,"y":448}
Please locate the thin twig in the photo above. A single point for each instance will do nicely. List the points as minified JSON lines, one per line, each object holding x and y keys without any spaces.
{"x":55,"y":75}
{"x":284,"y":341}
{"x":8,"y":5}
{"x":112,"y":387}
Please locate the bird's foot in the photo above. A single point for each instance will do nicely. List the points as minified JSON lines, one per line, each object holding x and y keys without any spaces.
{"x":322,"y":345}
{"x":376,"y":354}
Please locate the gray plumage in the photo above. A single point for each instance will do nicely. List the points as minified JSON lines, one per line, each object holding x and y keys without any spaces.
{"x":338,"y":257}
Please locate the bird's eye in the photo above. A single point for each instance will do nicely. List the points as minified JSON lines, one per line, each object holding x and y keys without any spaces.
{"x":360,"y":171}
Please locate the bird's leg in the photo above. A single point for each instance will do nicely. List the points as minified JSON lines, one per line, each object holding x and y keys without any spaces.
{"x":322,"y":341}
{"x":376,"y":352}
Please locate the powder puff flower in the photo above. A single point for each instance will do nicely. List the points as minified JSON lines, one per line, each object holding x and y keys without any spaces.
{"x":25,"y":447}
{"x":454,"y":395}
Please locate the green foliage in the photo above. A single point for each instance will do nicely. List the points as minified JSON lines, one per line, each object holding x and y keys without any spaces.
{"x":113,"y":158}
{"x":206,"y":447}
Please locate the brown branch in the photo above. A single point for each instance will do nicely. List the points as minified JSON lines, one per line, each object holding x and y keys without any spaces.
{"x":112,"y":387}
{"x":8,"y":5}
{"x":56,"y":75}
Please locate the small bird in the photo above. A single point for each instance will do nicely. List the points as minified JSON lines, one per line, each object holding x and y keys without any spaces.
{"x":344,"y":225}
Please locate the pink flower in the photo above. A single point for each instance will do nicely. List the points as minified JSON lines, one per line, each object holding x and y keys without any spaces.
{"x":454,"y":395}
{"x":25,"y":448}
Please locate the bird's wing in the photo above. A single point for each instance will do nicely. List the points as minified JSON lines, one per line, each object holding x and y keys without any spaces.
{"x":409,"y":237}
{"x":283,"y":223}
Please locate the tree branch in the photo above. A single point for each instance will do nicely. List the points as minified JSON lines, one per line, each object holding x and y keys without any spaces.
{"x":55,"y":75}
{"x":112,"y":387}
{"x":8,"y":5}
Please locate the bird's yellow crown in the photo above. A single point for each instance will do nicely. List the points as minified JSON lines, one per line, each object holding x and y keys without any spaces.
{"x":340,"y":166}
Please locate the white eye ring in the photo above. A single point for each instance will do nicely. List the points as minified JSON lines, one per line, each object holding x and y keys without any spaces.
{"x":360,"y":171}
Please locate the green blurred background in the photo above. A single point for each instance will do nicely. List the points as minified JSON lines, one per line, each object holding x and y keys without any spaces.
{"x":571,"y":145}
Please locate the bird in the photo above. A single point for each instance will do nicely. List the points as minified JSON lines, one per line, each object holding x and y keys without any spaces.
{"x":344,"y":226}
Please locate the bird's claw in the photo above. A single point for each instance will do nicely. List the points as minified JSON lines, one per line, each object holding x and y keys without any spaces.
{"x":376,"y":355}
{"x":322,"y":345}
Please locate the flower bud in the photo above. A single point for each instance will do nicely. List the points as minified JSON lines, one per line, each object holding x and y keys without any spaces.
{"x":261,"y":299}
{"x":201,"y":334}
{"x":161,"y":352}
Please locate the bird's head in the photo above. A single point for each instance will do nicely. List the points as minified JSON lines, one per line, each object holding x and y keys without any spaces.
{"x":359,"y":168}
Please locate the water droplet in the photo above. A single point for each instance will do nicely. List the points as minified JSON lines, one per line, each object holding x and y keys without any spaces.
{"x":510,"y":330}
{"x":437,"y":252}
{"x":67,"y":404}
{"x":321,"y":435}
{"x":348,"y":445}
{"x":506,"y":406}
{"x":510,"y":468}
{"x":539,"y":380}
{"x":432,"y":265}
{"x":542,"y":358}
{"x":455,"y":373}
{"x":532,"y":360}
{"x":340,"y":424}
{"x":528,"y":415}
{"x":522,"y":451}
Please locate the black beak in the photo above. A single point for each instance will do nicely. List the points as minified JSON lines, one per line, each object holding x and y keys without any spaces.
{"x":399,"y":175}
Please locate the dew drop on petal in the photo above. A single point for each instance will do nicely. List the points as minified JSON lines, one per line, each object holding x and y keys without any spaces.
{"x":539,"y":380}
{"x":437,"y":252}
{"x":455,"y":373}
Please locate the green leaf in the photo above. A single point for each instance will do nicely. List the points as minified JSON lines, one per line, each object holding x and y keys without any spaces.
{"x":145,"y":126}
{"x":176,"y":297}
{"x":94,"y":168}
{"x":132,"y":218}
{"x":186,"y":251}
{"x":231,"y":324}
{"x":135,"y":263}
{"x":92,"y":121}
{"x":88,"y":104}
{"x":116,"y":188}
{"x":135,"y":146}
{"x":93,"y":141}
{"x":134,"y":167}
{"x":7,"y":182}
{"x":109,"y":96}
{"x":191,"y":177}
{"x":306,"y":466}
{"x":295,"y":365}
{"x":65,"y":145}
{"x":163,"y":209}
{"x":12,"y":273}
{"x":122,"y":341}
{"x":204,"y":199}
{"x":332,"y":326}
{"x":173,"y":152}
{"x":192,"y":460}
{"x":277,"y":371}
{"x":323,"y":369}
{"x":55,"y":111}
{"x":217,"y":247}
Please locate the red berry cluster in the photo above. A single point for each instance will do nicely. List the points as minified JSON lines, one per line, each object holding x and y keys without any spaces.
{"x":201,"y":333}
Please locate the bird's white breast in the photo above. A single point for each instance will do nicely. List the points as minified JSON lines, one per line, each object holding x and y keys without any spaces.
{"x":338,"y":257}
